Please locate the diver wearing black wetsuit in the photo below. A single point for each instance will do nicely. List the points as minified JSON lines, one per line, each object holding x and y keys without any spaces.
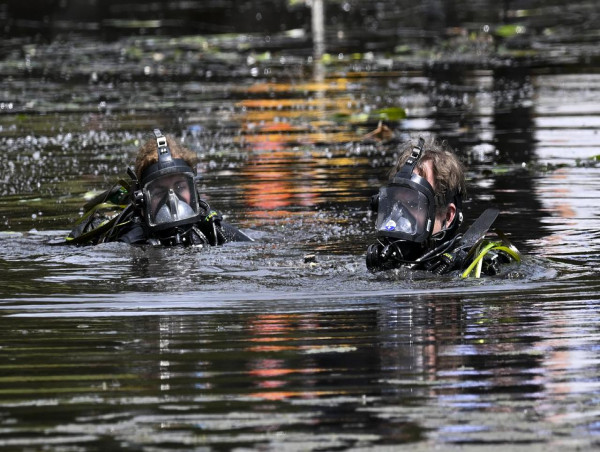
{"x":419,"y":213}
{"x":162,"y":208}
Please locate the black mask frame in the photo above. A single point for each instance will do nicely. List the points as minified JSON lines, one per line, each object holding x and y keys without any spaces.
{"x":405,"y":184}
{"x":165,"y":166}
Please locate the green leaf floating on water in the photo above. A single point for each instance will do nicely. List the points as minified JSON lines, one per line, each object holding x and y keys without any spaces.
{"x":384,"y":114}
{"x":360,"y":117}
{"x":508,"y":31}
{"x":391,"y":113}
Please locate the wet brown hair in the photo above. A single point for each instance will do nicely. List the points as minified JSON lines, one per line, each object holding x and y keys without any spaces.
{"x":148,"y":154}
{"x":448,"y":170}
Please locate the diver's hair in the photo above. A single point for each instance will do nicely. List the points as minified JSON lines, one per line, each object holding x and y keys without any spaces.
{"x":148,"y":154}
{"x":448,"y":170}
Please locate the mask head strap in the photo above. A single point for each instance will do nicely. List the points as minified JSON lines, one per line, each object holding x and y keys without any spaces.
{"x":164,"y":153}
{"x":166,"y":162}
{"x":413,"y":159}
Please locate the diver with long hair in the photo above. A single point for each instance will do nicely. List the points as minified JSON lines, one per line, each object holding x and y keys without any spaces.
{"x":159,"y":205}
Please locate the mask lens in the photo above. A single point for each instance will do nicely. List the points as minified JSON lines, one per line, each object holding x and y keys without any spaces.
{"x":402,"y":212}
{"x":171,"y":198}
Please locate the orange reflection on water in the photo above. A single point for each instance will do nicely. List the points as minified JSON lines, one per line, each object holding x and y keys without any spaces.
{"x":271,"y":348}
{"x":282,"y":395}
{"x":267,"y":324}
{"x":272,"y":185}
{"x":561,"y":195}
{"x":274,"y":374}
{"x":339,"y":104}
{"x":338,"y":84}
{"x":558,"y":193}
{"x":272,"y":328}
{"x":286,"y":173}
{"x":307,"y":138}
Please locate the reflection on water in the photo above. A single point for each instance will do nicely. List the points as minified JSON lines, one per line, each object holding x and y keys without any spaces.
{"x":431,"y":369}
{"x":288,"y":342}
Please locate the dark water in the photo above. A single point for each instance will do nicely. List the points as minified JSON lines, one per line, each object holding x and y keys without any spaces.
{"x":259,"y":346}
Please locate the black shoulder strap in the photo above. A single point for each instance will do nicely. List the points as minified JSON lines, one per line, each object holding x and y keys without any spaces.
{"x":479,"y":228}
{"x":452,"y":259}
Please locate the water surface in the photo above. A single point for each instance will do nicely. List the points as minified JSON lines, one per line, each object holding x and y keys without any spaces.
{"x":288,"y":343}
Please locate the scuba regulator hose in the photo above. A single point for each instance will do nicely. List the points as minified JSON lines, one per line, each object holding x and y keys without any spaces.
{"x":386,"y":256}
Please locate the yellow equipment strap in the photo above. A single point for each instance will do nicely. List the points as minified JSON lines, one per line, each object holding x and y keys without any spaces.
{"x":478,"y":261}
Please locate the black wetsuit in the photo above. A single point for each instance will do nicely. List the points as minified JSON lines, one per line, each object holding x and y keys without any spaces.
{"x":121,"y":222}
{"x":476,"y":252}
{"x":455,"y":257}
{"x":207,"y":231}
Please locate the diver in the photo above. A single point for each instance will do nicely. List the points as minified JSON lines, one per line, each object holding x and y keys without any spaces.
{"x":419,"y":214}
{"x":159,"y":205}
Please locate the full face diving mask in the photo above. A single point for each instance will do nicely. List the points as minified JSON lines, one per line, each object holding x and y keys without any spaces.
{"x":169,"y":192}
{"x":406,"y":206}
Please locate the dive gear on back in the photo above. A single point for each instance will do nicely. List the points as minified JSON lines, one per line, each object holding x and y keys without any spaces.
{"x":473,"y":254}
{"x":451,"y":260}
